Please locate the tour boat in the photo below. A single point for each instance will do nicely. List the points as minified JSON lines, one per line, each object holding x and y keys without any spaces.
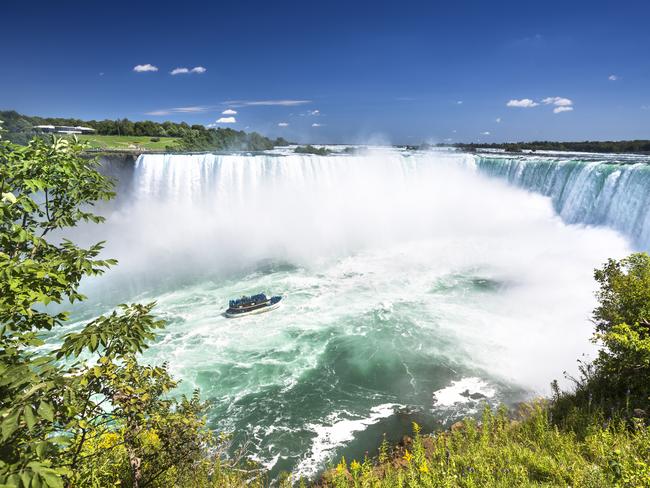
{"x":251,"y":305}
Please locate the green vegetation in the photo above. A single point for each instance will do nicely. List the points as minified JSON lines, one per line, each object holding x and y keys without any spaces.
{"x":123,"y":133}
{"x":130,"y":143}
{"x":83,"y":413}
{"x":637,"y":146}
{"x":309,"y":149}
{"x":201,"y":139}
{"x":501,"y":452}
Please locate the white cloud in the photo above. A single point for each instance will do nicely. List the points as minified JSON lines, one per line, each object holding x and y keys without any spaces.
{"x":523,"y":103}
{"x":196,"y":109}
{"x":645,"y":107}
{"x":314,"y":112}
{"x":229,"y":111}
{"x":180,"y":110}
{"x":459,"y":102}
{"x":142,"y":68}
{"x":486,"y":133}
{"x":179,"y":71}
{"x":498,"y":120}
{"x":254,"y":103}
{"x":561,"y":104}
{"x":558,"y":101}
{"x":226,"y":120}
{"x":283,"y":124}
{"x":612,"y":77}
{"x":183,"y":71}
{"x":316,"y":125}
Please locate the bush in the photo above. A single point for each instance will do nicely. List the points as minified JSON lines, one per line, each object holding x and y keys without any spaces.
{"x":309,"y":149}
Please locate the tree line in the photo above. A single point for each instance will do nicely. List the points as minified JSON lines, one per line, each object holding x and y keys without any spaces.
{"x":635,"y":146}
{"x":20,"y":129}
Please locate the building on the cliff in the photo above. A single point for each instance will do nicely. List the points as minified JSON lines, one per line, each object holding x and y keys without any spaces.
{"x":64,"y":129}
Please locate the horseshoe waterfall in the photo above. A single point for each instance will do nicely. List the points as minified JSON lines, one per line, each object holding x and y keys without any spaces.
{"x":416,"y":284}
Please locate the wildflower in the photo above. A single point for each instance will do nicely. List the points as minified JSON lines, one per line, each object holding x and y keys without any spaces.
{"x":424,"y":468}
{"x":408,"y":456}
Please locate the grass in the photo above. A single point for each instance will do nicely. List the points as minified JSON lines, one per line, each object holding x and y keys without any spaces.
{"x":501,"y":452}
{"x":128,"y":142}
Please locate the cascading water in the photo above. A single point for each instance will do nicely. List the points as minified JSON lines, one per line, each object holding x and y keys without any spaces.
{"x":601,"y":192}
{"x":415,"y":288}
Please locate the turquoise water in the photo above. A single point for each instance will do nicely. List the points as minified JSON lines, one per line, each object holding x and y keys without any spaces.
{"x":415,"y":289}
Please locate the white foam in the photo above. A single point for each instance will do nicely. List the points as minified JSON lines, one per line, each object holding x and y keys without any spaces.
{"x":458,"y":392}
{"x":337,"y":433}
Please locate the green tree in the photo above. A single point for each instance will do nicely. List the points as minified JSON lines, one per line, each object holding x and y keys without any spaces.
{"x":64,"y":420}
{"x":622,"y":319}
{"x":624,"y":294}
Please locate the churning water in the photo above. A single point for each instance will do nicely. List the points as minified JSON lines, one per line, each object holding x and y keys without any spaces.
{"x":417,"y":285}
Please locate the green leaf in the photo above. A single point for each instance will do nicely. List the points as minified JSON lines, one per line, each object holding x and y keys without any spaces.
{"x":10,"y":424}
{"x":30,"y":420}
{"x":93,"y":343}
{"x":41,"y":449}
{"x":52,"y":479}
{"x":26,"y":478}
{"x":46,"y":411}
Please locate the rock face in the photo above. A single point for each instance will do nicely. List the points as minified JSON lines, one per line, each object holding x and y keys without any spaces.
{"x":473,"y":396}
{"x":456,"y":426}
{"x":120,"y":167}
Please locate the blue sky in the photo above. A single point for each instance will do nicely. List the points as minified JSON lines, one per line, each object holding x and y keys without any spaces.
{"x":339,"y":71}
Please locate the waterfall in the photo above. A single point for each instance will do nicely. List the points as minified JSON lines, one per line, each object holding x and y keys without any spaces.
{"x":406,"y":275}
{"x":597,"y":193}
{"x":585,"y":192}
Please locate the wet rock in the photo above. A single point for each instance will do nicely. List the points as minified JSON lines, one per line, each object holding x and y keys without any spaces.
{"x":456,"y":426}
{"x":639,"y":413}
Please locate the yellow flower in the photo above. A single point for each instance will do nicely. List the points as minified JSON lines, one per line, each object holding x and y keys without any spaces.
{"x":354,"y":465}
{"x":424,"y":468}
{"x":408,"y":456}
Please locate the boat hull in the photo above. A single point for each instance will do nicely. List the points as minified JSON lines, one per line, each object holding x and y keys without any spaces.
{"x":272,"y":306}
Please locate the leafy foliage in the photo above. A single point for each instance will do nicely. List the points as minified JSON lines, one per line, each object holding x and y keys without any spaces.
{"x":309,"y":149}
{"x":502,"y":452}
{"x":64,"y":420}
